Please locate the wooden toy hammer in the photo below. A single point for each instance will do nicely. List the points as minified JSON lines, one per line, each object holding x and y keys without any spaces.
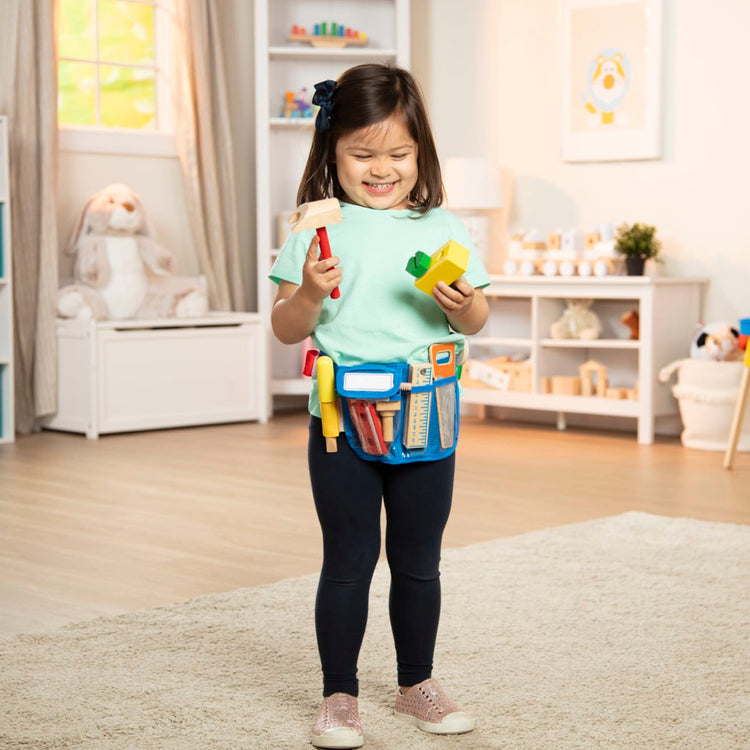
{"x":318,"y":215}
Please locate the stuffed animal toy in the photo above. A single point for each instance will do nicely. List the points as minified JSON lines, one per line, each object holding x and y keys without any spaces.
{"x":120,"y":270}
{"x":633,"y":321}
{"x":717,"y":342}
{"x":577,"y":321}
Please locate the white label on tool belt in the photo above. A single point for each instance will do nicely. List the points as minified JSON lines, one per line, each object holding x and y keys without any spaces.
{"x":368,"y":381}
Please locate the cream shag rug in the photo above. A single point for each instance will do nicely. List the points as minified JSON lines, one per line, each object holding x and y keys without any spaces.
{"x":627,"y":632}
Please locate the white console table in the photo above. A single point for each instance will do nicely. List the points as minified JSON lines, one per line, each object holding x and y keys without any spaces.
{"x":126,"y":375}
{"x":522,"y":309}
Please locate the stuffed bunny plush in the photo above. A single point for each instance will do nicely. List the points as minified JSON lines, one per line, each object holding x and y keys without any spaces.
{"x":120,"y":270}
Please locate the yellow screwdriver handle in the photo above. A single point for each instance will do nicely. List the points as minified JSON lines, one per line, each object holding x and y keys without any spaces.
{"x":329,"y":414}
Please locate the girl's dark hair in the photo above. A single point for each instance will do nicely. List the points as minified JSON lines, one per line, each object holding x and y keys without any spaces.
{"x":366,"y":95}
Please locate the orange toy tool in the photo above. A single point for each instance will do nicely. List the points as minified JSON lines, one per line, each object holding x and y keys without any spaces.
{"x":318,"y":215}
{"x":443,"y":359}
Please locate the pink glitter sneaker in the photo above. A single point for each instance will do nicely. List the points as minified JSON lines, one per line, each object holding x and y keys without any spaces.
{"x":428,"y":707}
{"x":338,"y":724}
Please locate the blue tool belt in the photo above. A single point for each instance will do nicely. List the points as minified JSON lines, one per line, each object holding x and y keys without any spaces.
{"x":397,"y":413}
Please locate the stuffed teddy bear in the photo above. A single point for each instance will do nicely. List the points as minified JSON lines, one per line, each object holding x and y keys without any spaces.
{"x":120,"y":270}
{"x":577,"y":321}
{"x":632,"y":320}
{"x":717,"y":342}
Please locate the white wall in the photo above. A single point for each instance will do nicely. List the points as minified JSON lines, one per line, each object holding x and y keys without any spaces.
{"x":490,"y":69}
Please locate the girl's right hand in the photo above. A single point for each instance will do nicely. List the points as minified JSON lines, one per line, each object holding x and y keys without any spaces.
{"x":319,"y":277}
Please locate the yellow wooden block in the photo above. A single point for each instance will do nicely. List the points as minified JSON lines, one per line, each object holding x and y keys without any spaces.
{"x":446,"y":264}
{"x":566,"y":385}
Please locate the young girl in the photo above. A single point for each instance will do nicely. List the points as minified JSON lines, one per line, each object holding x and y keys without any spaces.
{"x":373,"y":150}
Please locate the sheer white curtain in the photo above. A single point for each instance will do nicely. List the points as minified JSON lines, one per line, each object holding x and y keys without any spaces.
{"x":204,"y":145}
{"x":28,"y":96}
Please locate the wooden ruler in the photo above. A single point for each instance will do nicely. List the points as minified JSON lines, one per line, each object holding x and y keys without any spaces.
{"x":443,"y":359}
{"x":418,"y":407}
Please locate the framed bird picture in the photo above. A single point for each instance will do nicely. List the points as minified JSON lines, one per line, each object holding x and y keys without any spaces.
{"x":611,"y":79}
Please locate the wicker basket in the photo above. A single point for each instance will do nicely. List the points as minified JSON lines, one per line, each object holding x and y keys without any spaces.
{"x":707,"y":394}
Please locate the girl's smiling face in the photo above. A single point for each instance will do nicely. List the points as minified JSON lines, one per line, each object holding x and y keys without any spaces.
{"x":377,"y":165}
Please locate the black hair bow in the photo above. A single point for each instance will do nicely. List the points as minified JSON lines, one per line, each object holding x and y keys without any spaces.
{"x":322,"y":97}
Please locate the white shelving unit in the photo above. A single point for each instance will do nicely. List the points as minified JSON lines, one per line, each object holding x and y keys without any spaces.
{"x":522,"y":310}
{"x":281,"y":145}
{"x":7,"y":411}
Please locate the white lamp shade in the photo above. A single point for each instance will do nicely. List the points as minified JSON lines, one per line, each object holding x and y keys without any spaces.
{"x":472,"y":183}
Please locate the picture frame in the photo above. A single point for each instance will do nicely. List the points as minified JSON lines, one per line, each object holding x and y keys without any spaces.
{"x":611,"y":79}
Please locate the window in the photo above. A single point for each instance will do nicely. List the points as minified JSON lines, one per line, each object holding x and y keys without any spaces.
{"x":112,"y":73}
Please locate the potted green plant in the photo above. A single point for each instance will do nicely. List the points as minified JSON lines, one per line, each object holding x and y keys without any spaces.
{"x":637,"y":242}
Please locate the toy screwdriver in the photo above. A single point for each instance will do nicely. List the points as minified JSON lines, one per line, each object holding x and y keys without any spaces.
{"x":329,"y":413}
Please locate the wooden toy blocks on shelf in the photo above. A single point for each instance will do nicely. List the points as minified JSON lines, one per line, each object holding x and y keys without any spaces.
{"x":333,"y":35}
{"x":566,"y":253}
{"x":298,"y":106}
{"x":502,"y":373}
{"x":565,"y":385}
{"x":446,"y":264}
{"x":593,"y":376}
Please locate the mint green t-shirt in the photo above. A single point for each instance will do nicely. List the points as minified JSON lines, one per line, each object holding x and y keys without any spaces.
{"x":381,"y":316}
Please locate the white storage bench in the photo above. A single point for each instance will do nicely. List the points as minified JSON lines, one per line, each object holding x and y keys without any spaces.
{"x":126,"y":375}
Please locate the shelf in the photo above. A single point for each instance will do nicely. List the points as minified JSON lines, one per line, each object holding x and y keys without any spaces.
{"x":292,"y":122}
{"x":347,"y":53}
{"x":500,"y":341}
{"x":291,"y":386}
{"x":627,"y":361}
{"x":605,"y":288}
{"x":210,"y":320}
{"x":591,"y":344}
{"x":549,"y":402}
{"x":596,"y":281}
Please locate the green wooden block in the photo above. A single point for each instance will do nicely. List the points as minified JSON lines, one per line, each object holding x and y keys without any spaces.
{"x":418,"y":264}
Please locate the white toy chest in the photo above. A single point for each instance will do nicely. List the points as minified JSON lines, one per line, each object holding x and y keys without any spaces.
{"x":126,"y":375}
{"x":707,"y":395}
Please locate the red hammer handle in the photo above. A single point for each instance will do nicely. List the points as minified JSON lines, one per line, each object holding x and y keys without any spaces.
{"x":325,"y":252}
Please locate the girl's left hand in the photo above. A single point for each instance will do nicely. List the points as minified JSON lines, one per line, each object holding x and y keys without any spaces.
{"x":454,"y":300}
{"x":465,"y":307}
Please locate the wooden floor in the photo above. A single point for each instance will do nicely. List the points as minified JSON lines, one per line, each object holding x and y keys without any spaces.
{"x":92,"y":528}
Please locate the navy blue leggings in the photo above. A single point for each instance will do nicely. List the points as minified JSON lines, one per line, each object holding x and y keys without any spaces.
{"x":348,"y":492}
